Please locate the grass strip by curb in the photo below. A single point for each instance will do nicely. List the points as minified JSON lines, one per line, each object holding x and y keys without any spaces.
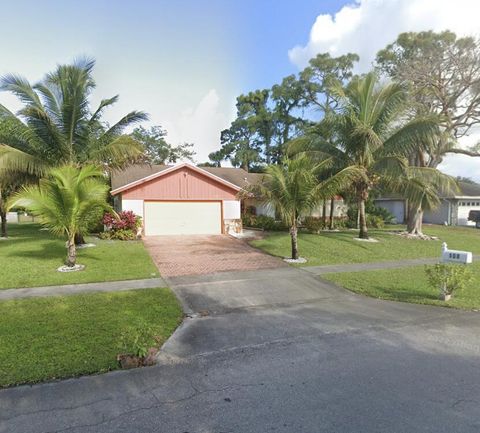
{"x":57,"y":337}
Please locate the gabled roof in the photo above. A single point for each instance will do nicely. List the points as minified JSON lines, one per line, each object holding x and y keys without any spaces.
{"x":235,"y":178}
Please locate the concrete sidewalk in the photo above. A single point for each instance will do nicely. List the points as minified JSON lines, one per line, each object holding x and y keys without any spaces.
{"x":74,"y":289}
{"x":358,"y":267}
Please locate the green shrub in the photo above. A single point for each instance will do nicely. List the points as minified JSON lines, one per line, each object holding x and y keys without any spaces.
{"x":448,"y":277}
{"x":263,"y":222}
{"x":120,"y":235}
{"x":375,"y":221}
{"x":314,"y":224}
{"x":94,"y":222}
{"x":380,"y":212}
{"x":340,"y":222}
{"x":377,"y":217}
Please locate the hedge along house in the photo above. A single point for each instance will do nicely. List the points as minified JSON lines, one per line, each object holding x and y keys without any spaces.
{"x":182,"y":199}
{"x":453,"y":210}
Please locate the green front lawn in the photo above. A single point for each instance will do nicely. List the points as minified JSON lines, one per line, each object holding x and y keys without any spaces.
{"x":30,"y":257}
{"x":340,"y":247}
{"x":408,"y":285}
{"x":50,"y":338}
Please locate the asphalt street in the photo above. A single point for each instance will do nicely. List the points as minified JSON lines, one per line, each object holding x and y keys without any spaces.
{"x":278,"y":351}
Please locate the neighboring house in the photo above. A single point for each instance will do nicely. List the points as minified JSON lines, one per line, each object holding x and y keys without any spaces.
{"x":453,"y":210}
{"x":183,"y":199}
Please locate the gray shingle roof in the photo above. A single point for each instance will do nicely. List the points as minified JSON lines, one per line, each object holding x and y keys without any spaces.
{"x":237,"y":176}
{"x":469,"y":189}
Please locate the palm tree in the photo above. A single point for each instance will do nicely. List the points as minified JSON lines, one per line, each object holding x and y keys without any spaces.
{"x":65,"y":200}
{"x":368,"y":134}
{"x":56,"y":125}
{"x":422,"y":188}
{"x":293,"y":189}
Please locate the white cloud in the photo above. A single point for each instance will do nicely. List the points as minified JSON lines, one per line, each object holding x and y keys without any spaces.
{"x":366,"y":26}
{"x":200,"y":125}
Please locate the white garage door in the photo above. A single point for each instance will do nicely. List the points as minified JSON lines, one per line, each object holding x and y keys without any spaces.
{"x":183,"y":218}
{"x":464,"y":208}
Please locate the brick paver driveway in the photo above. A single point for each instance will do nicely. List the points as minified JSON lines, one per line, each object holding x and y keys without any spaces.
{"x":194,"y":255}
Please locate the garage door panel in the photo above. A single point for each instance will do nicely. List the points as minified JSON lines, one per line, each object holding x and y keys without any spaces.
{"x":176,"y":218}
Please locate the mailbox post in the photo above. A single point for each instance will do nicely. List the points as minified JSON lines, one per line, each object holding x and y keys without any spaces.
{"x":455,"y":256}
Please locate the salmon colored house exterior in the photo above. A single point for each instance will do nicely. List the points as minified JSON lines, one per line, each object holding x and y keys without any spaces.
{"x":181,"y":199}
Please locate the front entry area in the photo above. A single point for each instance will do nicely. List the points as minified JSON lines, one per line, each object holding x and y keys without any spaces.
{"x":182,"y":218}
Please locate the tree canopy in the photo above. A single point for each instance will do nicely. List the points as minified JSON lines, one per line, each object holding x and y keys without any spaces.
{"x":156,"y":149}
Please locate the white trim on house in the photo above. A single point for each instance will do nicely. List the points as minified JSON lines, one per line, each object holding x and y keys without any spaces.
{"x":231,"y":210}
{"x":136,"y":206}
{"x":170,"y":170}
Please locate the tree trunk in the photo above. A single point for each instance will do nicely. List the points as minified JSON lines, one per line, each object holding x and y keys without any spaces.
{"x":3,"y":217}
{"x":71,"y":252}
{"x":293,"y":235}
{"x":415,"y":220}
{"x":324,"y":214}
{"x":363,"y":234}
{"x":79,"y":239}
{"x":332,"y":211}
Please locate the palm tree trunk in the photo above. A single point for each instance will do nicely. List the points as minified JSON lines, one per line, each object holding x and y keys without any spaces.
{"x":3,"y":217}
{"x":332,"y":211}
{"x":293,"y":235}
{"x":324,"y":214}
{"x":363,"y":234}
{"x":71,"y":251}
{"x":415,"y":220}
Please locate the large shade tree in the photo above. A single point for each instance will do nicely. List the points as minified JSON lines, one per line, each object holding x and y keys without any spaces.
{"x":442,"y":72}
{"x":443,"y":75}
{"x":65,"y":200}
{"x":367,"y":134}
{"x":157,"y":150}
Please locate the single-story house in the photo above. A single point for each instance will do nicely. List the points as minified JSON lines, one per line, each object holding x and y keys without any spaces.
{"x":453,"y":210}
{"x":185,"y":199}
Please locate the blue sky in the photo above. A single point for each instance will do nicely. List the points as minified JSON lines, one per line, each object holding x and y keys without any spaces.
{"x":185,"y":61}
{"x":174,"y":59}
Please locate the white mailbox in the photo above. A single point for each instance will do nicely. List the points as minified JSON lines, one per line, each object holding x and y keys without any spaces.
{"x":455,"y":256}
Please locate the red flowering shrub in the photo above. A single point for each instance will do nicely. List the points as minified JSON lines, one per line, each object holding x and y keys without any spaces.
{"x":123,"y":227}
{"x":126,"y":220}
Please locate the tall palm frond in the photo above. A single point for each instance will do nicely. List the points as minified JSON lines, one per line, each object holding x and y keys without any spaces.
{"x":55,"y":124}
